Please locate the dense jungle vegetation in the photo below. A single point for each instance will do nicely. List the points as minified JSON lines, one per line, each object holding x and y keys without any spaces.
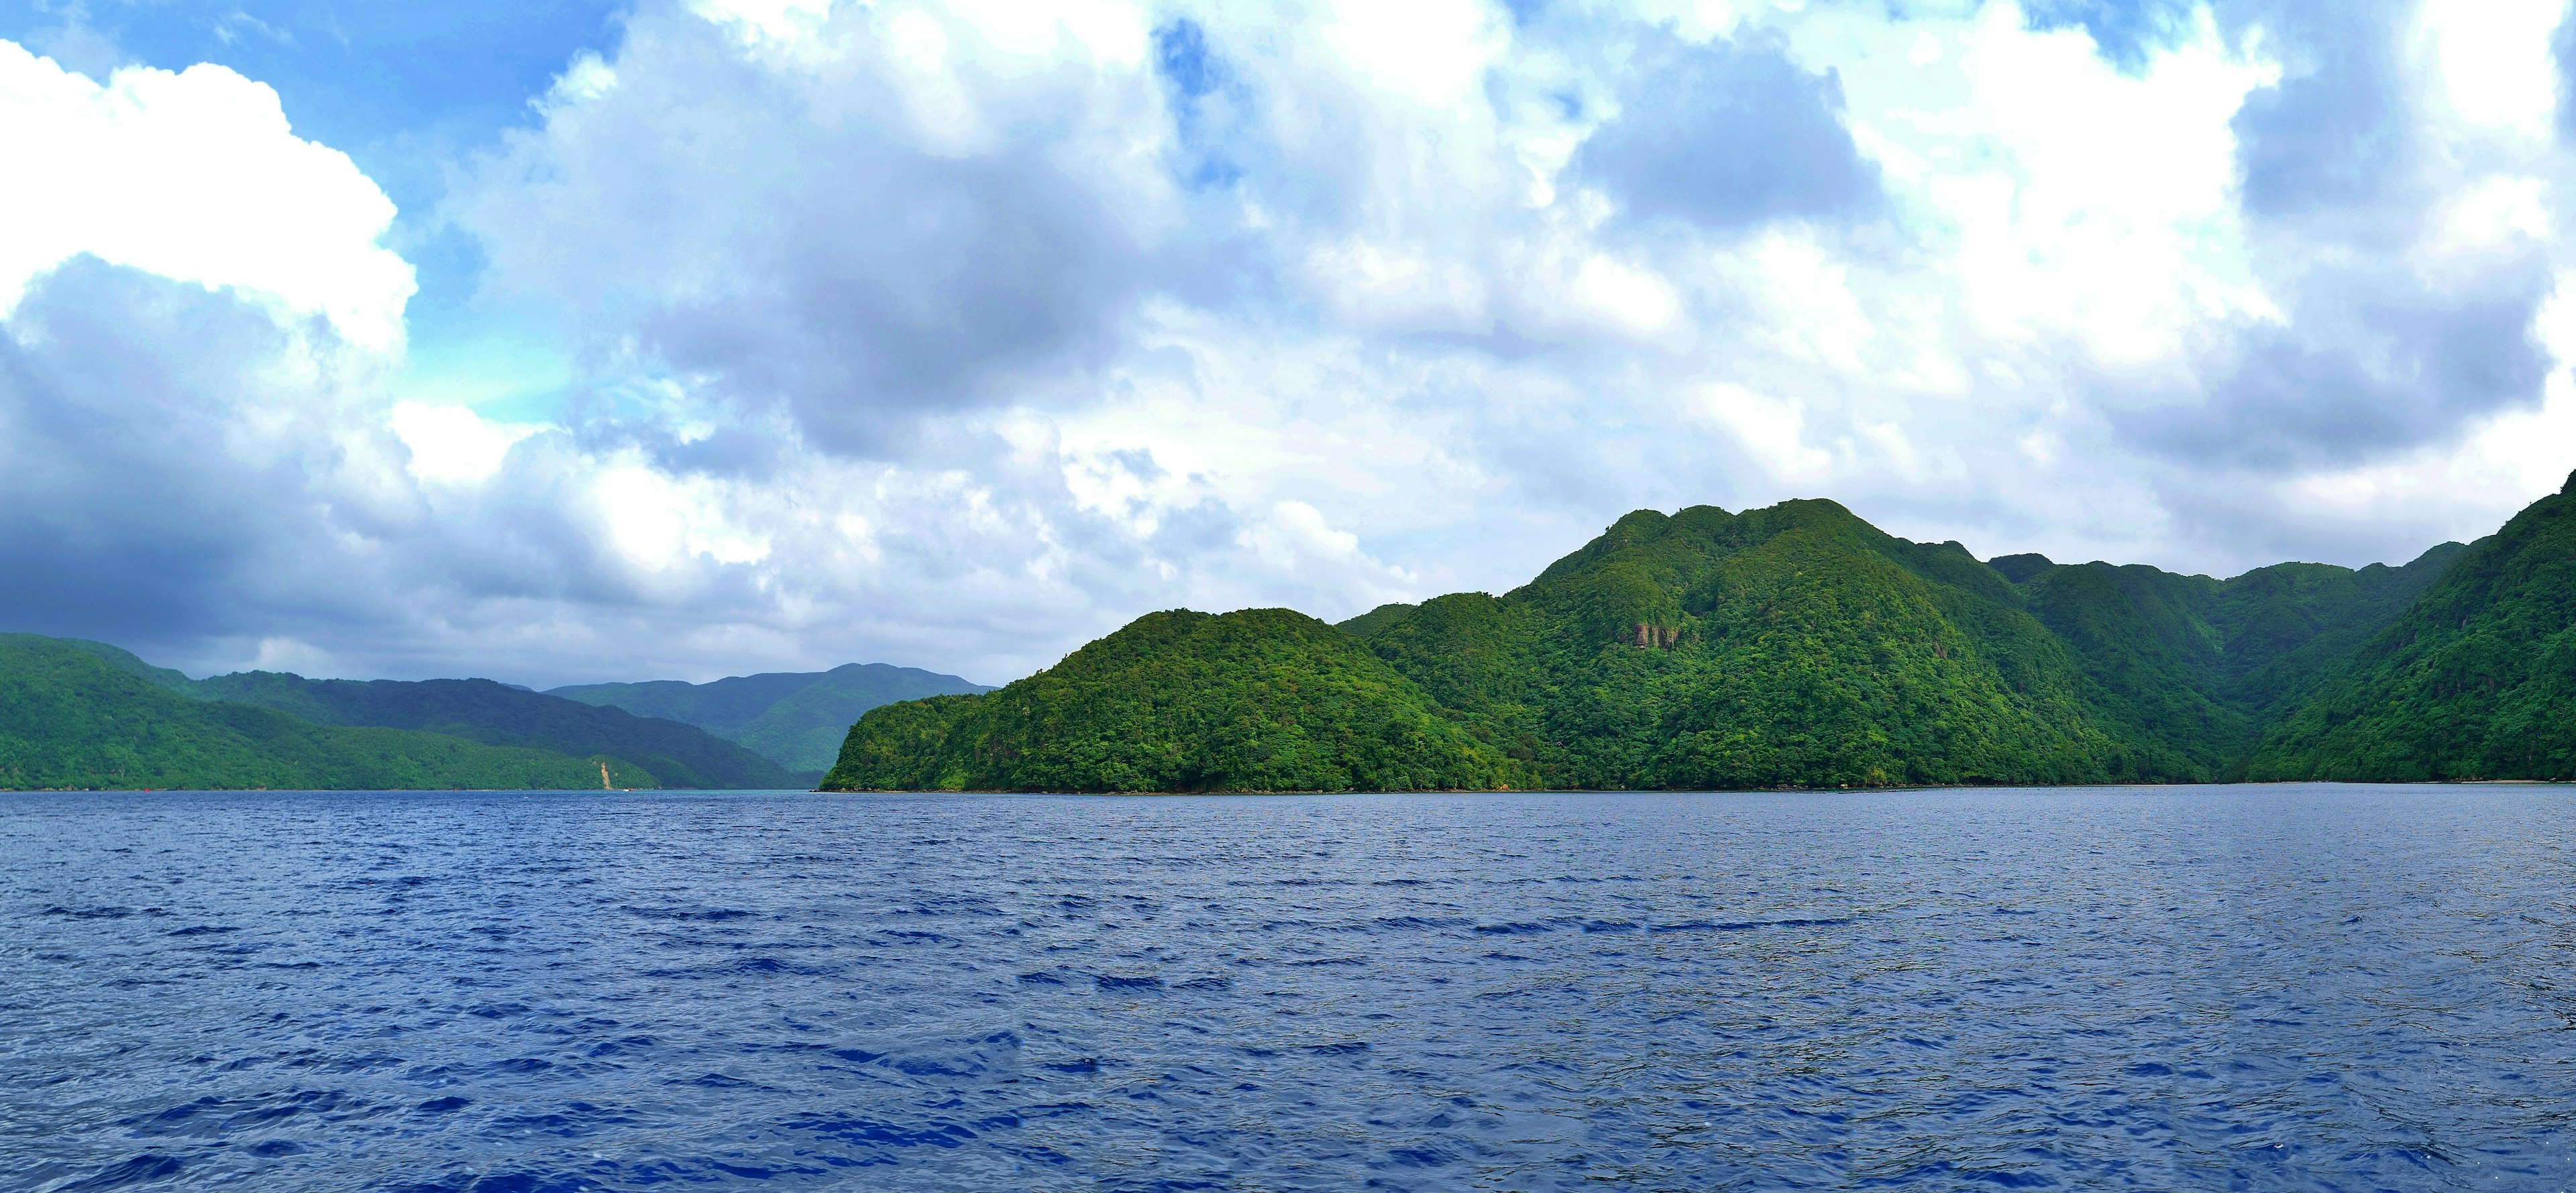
{"x":1792,"y":646}
{"x":1260,"y":700}
{"x":2476,"y":680}
{"x":84,"y":715}
{"x":1799,"y":646}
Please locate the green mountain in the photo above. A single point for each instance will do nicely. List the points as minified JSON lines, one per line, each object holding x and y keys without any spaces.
{"x":1790,"y":646}
{"x":1793,"y":646}
{"x":85,"y":715}
{"x":795,"y":719}
{"x":495,"y":714}
{"x":2194,"y":667}
{"x":124,"y":660}
{"x":2476,"y":680}
{"x":1260,"y":700}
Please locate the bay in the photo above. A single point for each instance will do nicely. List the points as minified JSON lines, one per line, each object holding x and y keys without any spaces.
{"x":2276,"y":987}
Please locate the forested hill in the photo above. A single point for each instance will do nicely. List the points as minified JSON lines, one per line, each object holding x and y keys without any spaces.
{"x":1790,"y":646}
{"x":1260,"y":700}
{"x":2477,"y":680}
{"x":494,"y":714}
{"x":795,"y":719}
{"x":84,"y":715}
{"x":1800,"y":646}
{"x":2205,"y":665}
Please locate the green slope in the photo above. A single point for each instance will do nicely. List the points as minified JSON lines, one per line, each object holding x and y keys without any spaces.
{"x":2289,"y":627}
{"x":1259,"y":700}
{"x":2477,"y":680}
{"x":2149,"y":660}
{"x":794,"y":719}
{"x":77,"y":715}
{"x":125,"y":661}
{"x":494,"y":714}
{"x":2192,"y":669}
{"x":1791,"y":646}
{"x":1794,"y":646}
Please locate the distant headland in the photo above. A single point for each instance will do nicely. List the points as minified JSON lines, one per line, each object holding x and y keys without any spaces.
{"x":1799,"y":646}
{"x":1795,"y":646}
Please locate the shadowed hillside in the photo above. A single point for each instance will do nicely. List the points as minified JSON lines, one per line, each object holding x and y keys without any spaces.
{"x":795,"y":719}
{"x":2477,"y":680}
{"x":84,"y":715}
{"x":494,"y":714}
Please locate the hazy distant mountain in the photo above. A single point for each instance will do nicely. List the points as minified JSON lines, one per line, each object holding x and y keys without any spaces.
{"x":497,"y":714}
{"x":77,"y":714}
{"x":796,"y":719}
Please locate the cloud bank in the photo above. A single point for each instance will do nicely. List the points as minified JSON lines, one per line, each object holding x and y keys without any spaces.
{"x":955,"y":334}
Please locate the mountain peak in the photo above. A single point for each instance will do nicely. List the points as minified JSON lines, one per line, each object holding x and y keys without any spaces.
{"x":2018,"y":568}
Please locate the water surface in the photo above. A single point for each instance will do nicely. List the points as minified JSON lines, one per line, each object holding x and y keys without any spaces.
{"x":2206,"y":988}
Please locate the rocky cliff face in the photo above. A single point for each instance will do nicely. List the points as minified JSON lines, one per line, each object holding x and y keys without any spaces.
{"x":1654,"y":637}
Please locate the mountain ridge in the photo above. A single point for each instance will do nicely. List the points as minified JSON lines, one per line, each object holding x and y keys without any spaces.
{"x":2475,"y":680}
{"x":498,"y":714}
{"x":1794,"y":646}
{"x":80,"y":714}
{"x":795,"y":719}
{"x":1278,"y":702}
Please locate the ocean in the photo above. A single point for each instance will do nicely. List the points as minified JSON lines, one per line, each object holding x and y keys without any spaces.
{"x":2251,"y":988}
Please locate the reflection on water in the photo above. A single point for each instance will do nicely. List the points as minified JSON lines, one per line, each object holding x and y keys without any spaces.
{"x":2256,"y":988}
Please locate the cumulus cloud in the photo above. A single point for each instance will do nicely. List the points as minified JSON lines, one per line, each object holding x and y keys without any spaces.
{"x":193,"y":176}
{"x":61,"y":558}
{"x":1725,"y":135}
{"x":2335,"y":133}
{"x":953,"y":334}
{"x":153,"y":462}
{"x":2387,"y":373}
{"x":2392,"y":223}
{"x":857,"y":215}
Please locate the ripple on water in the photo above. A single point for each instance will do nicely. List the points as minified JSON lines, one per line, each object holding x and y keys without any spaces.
{"x":2250,"y":988}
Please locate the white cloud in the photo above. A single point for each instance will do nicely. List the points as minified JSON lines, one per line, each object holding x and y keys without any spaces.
{"x":1630,"y":298}
{"x":658,"y":522}
{"x":194,"y":176}
{"x":2480,"y":224}
{"x":1390,"y":287}
{"x":1772,"y":429}
{"x":2085,"y":201}
{"x":2492,"y":62}
{"x":1431,"y":52}
{"x":768,"y":24}
{"x":1807,"y":310}
{"x":1107,"y":31}
{"x":955,"y":333}
{"x":587,"y":78}
{"x":453,"y":444}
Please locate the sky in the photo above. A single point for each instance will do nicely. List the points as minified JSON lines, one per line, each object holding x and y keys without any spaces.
{"x":564,"y":342}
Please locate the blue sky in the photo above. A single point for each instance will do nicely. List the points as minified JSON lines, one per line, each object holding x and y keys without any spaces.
{"x":406,"y":91}
{"x":564,"y":342}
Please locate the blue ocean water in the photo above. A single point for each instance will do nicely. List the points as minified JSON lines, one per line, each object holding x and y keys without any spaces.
{"x":2167,"y":988}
